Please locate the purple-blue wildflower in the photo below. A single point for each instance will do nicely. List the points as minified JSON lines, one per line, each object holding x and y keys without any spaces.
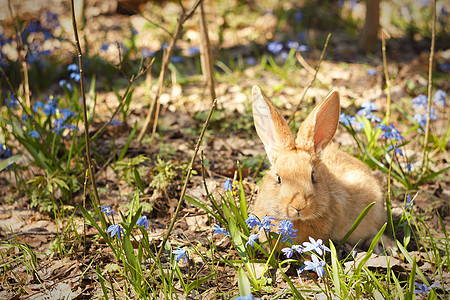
{"x":73,"y":68}
{"x":424,"y":288}
{"x":288,"y":252}
{"x":274,"y":47}
{"x":180,"y":253}
{"x":115,"y":229}
{"x":143,"y":221}
{"x":297,"y":248}
{"x":107,"y":210}
{"x":390,"y":132}
{"x":421,"y":119}
{"x":409,"y":203}
{"x":37,"y":105}
{"x":12,"y":102}
{"x":439,"y":98}
{"x":66,"y":113}
{"x":34,"y":134}
{"x":219,"y":230}
{"x":175,"y":59}
{"x":252,"y":221}
{"x":286,"y":229}
{"x":247,"y":297}
{"x":251,"y":61}
{"x":316,"y":265}
{"x":114,"y":122}
{"x":266,"y":223}
{"x":298,"y":16}
{"x":64,"y":83}
{"x":251,"y":239}
{"x":193,"y":51}
{"x":315,"y":245}
{"x":397,"y":150}
{"x":50,"y":107}
{"x":372,"y":72}
{"x":147,"y":53}
{"x":75,"y":76}
{"x":420,"y":101}
{"x":348,"y":120}
{"x":227,"y":186}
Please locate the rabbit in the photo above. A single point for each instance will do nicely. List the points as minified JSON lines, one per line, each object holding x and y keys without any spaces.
{"x":312,"y":183}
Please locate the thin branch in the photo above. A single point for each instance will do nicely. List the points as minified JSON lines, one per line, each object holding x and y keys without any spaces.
{"x":96,"y":198}
{"x":312,"y":81}
{"x":206,"y":54}
{"x":183,"y":191}
{"x":165,"y":64}
{"x":385,"y":35}
{"x":430,"y":77}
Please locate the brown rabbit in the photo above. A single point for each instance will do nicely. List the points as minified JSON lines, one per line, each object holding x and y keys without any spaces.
{"x":321,"y":189}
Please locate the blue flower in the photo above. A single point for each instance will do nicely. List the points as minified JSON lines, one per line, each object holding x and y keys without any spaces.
{"x":175,"y":59}
{"x":444,"y":67}
{"x":252,"y":221}
{"x":275,"y":47}
{"x":115,"y":229}
{"x":419,"y":101}
{"x":316,"y":266}
{"x":251,"y":239}
{"x":251,"y":61}
{"x":180,"y":253}
{"x":66,"y":113}
{"x":12,"y":102}
{"x":300,"y":270}
{"x":292,"y":44}
{"x":421,"y":119}
{"x":303,"y":48}
{"x":397,"y":150}
{"x":75,"y":76}
{"x":114,"y":122}
{"x":73,"y":68}
{"x":26,"y":117}
{"x":266,"y":223}
{"x":369,"y":106}
{"x":288,"y":252}
{"x":147,"y":53}
{"x":390,"y":132}
{"x":286,"y":230}
{"x":107,"y":210}
{"x":284,"y":55}
{"x":50,"y":107}
{"x":424,"y":288}
{"x":315,"y":245}
{"x":104,"y":47}
{"x":409,"y":203}
{"x":297,"y":248}
{"x":372,"y":72}
{"x":34,"y":134}
{"x":193,"y":51}
{"x":439,"y":98}
{"x":164,"y":46}
{"x":298,"y":16}
{"x":219,"y":230}
{"x":348,"y":120}
{"x":227,"y":186}
{"x":37,"y":105}
{"x":143,"y":221}
{"x":64,"y":82}
{"x":246,"y":297}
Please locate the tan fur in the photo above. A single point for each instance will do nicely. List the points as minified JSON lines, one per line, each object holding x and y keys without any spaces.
{"x":343,"y":186}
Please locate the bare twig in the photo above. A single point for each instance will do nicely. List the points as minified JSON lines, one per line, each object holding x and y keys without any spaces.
{"x":186,"y":181}
{"x":430,"y":77}
{"x":385,"y":35}
{"x":22,"y":55}
{"x":165,"y":64}
{"x":312,"y":81}
{"x":206,"y":54}
{"x":96,"y":198}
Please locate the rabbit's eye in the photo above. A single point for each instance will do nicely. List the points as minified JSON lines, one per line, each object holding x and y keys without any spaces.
{"x":279,"y":179}
{"x":312,"y":177}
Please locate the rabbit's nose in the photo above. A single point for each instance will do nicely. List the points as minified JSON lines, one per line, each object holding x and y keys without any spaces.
{"x":297,"y":208}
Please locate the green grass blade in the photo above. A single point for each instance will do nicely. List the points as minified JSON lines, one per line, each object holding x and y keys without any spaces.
{"x":243,"y":283}
{"x":356,"y":223}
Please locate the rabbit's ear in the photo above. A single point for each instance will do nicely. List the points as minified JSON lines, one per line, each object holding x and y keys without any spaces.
{"x":270,"y":125}
{"x":320,"y":126}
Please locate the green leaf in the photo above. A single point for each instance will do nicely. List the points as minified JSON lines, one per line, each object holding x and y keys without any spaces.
{"x":10,"y":160}
{"x":205,"y":208}
{"x":243,"y":283}
{"x":412,"y":262}
{"x":127,"y":144}
{"x":198,"y":282}
{"x":356,"y":223}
